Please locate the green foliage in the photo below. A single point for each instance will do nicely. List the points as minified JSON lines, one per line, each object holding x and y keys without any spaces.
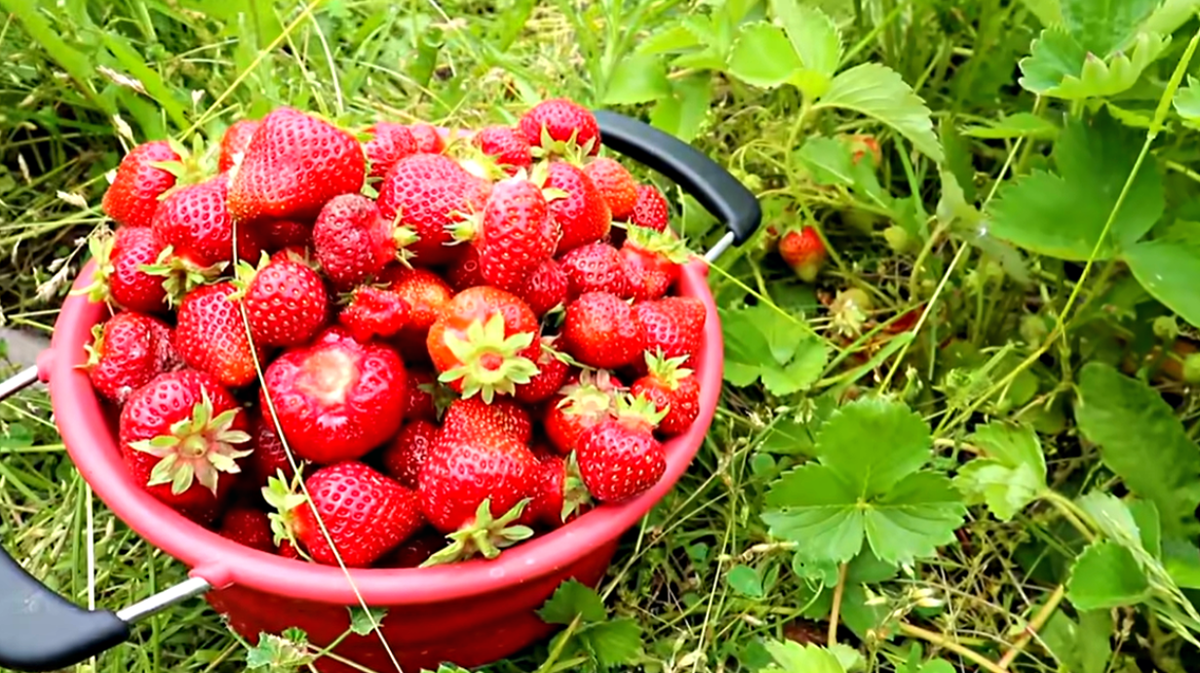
{"x":603,"y":643}
{"x":1009,"y":474}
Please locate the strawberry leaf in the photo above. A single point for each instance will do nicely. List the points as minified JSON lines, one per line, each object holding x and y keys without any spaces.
{"x":363,"y":622}
{"x":762,"y":344}
{"x":792,"y":657}
{"x":615,"y":643}
{"x":1167,"y":269}
{"x":570,"y":600}
{"x":1105,"y":576}
{"x":877,"y":91}
{"x":1011,"y":472}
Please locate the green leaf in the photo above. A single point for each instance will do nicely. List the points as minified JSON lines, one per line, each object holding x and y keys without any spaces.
{"x":1062,"y":215}
{"x":1187,"y":100}
{"x":1019,"y":125}
{"x":638,"y":78}
{"x":792,"y":657}
{"x":363,"y":622}
{"x":919,"y":515}
{"x":1081,"y":647}
{"x":815,"y":509}
{"x":1113,"y":517}
{"x":1106,"y":575}
{"x":938,"y":666}
{"x":762,"y":56}
{"x":760,"y":343}
{"x":615,"y":643}
{"x":1060,"y":67}
{"x":816,"y":40}
{"x":1142,"y":442}
{"x":828,"y":160}
{"x":1011,"y":472}
{"x":1103,"y":26}
{"x":878,"y":91}
{"x":571,"y":599}
{"x":1168,"y":270}
{"x":849,"y":444}
{"x":683,"y":113}
{"x":1181,"y":560}
{"x":745,"y":580}
{"x":850,"y":659}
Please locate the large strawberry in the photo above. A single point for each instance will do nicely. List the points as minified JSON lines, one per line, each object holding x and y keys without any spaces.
{"x":336,"y":398}
{"x":374,"y":312}
{"x":424,"y":195}
{"x":619,"y":458}
{"x":559,"y":494}
{"x":389,"y":143}
{"x":586,"y":399}
{"x":581,"y":213}
{"x":427,"y":296}
{"x":248,"y":527}
{"x":403,"y":458}
{"x":294,"y":164}
{"x":472,"y":488}
{"x":672,"y":326}
{"x":270,"y":457}
{"x":234,"y":143}
{"x":652,"y":261}
{"x":650,"y":210}
{"x":560,"y":126}
{"x":470,"y":416}
{"x":674,"y":390}
{"x":600,"y":331}
{"x":481,"y":342}
{"x":363,"y":513}
{"x":504,"y":151}
{"x":615,"y":184}
{"x":546,"y":288}
{"x":211,"y":336}
{"x":427,"y":138}
{"x":127,"y":352}
{"x":353,"y":241}
{"x":182,"y":435}
{"x":120,"y":277}
{"x":133,"y":196}
{"x":595,"y":267}
{"x":515,"y":233}
{"x":553,"y":367}
{"x":285,"y":300}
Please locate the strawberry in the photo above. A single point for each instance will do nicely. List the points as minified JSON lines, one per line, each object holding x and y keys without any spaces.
{"x":862,"y":145}
{"x":269,"y":456}
{"x":674,"y":390}
{"x":427,"y":138}
{"x":276,"y":235}
{"x":472,"y":487}
{"x":581,"y":213}
{"x":546,"y":288}
{"x":248,"y":527}
{"x":472,"y":416}
{"x":650,"y":210}
{"x":285,"y":300}
{"x":352,"y":240}
{"x":234,"y":142}
{"x":414,"y":551}
{"x":427,"y":296}
{"x":120,"y":277}
{"x":366,"y":514}
{"x":673,"y":326}
{"x":652,"y":261}
{"x":584,"y":401}
{"x":336,"y":398}
{"x":505,"y":149}
{"x":619,"y":458}
{"x":403,"y":457}
{"x":615,"y":184}
{"x":422,"y":387}
{"x":464,"y":272}
{"x":389,"y":143}
{"x":374,"y":312}
{"x":559,"y":494}
{"x":479,"y":342}
{"x":211,"y":336}
{"x":552,"y":374}
{"x":182,"y":435}
{"x":293,"y":165}
{"x":515,"y":233}
{"x":425,"y":194}
{"x":199,"y":234}
{"x":127,"y":352}
{"x":560,"y":126}
{"x":803,"y":251}
{"x":288,"y":550}
{"x":595,"y":267}
{"x":600,"y":331}
{"x":134,"y":194}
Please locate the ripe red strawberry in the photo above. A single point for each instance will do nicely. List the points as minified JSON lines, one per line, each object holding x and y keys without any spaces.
{"x":427,"y":296}
{"x":248,"y":527}
{"x":559,"y":494}
{"x":234,"y":143}
{"x":389,"y":143}
{"x":127,"y":352}
{"x":403,"y":457}
{"x":365,"y":513}
{"x":288,"y":550}
{"x":471,"y":416}
{"x":546,"y":288}
{"x":615,"y":184}
{"x":336,"y":398}
{"x":464,"y":272}
{"x":285,"y":300}
{"x":651,"y":209}
{"x":120,"y":278}
{"x":269,"y":456}
{"x":472,"y":488}
{"x":804,"y":252}
{"x":673,"y":326}
{"x":421,"y":404}
{"x":424,"y":195}
{"x":427,"y":138}
{"x":294,"y":164}
{"x":182,"y":435}
{"x":279,"y":234}
{"x":561,"y":126}
{"x":652,"y":261}
{"x":552,"y":374}
{"x":211,"y":337}
{"x":584,"y":401}
{"x":600,"y":331}
{"x":374,"y":312}
{"x":352,"y":240}
{"x":581,"y":213}
{"x":506,"y":149}
{"x":515,"y":233}
{"x":673,"y":389}
{"x":595,"y":267}
{"x":132,"y":198}
{"x":480,"y":340}
{"x":619,"y":458}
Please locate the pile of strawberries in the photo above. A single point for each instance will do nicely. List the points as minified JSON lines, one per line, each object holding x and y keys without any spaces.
{"x":418,"y":346}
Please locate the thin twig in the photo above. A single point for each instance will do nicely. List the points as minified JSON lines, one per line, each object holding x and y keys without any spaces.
{"x":943,"y":642}
{"x":1039,"y":620}
{"x":834,"y":615}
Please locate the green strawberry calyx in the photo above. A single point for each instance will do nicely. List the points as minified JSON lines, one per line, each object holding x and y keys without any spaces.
{"x":181,"y":276}
{"x":198,"y":449}
{"x":575,"y":492}
{"x":640,"y":412}
{"x":669,"y":371}
{"x":284,"y":499}
{"x":100,"y":245}
{"x":491,"y":363}
{"x":664,"y":243}
{"x":485,"y":536}
{"x":95,"y":349}
{"x":244,"y":274}
{"x":570,"y":149}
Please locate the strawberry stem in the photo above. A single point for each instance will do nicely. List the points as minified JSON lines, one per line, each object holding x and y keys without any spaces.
{"x":491,"y":362}
{"x":484,"y":536}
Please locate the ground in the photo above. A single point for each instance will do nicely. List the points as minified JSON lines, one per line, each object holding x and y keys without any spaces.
{"x":966,"y":444}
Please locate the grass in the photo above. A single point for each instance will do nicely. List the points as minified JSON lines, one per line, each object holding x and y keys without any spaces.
{"x":1002,"y":333}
